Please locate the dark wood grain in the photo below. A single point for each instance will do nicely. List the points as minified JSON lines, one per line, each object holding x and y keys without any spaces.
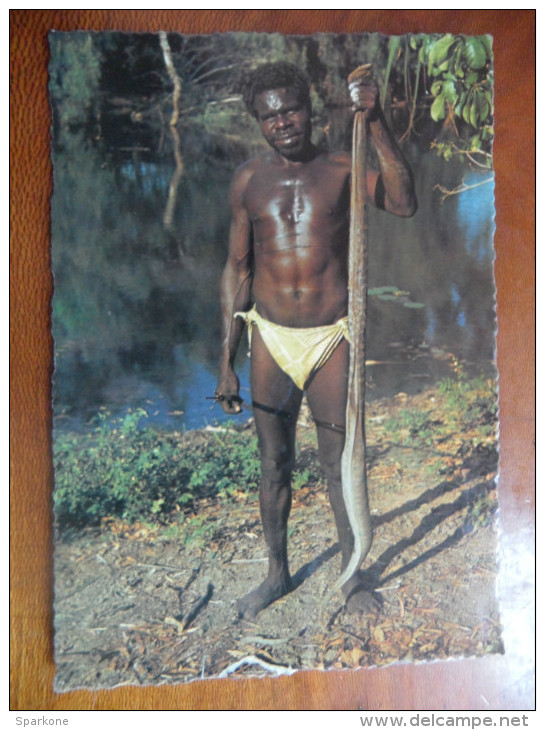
{"x":497,"y":682}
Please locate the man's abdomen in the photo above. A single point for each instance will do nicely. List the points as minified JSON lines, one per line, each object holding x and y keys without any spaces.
{"x":300,"y":286}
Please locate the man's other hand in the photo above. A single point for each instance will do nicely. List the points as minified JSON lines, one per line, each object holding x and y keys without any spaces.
{"x":364,"y":95}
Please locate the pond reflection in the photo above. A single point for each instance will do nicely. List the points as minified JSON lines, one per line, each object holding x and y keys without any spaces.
{"x":136,"y":314}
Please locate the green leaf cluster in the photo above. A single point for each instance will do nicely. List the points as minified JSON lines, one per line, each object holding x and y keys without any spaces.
{"x":459,"y":69}
{"x":116,"y":469}
{"x":472,"y":401}
{"x":124,"y":469}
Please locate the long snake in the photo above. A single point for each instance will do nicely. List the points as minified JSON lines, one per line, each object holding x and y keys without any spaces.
{"x":354,"y":477}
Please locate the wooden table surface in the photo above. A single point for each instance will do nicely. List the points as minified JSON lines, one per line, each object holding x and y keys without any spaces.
{"x":497,"y":682}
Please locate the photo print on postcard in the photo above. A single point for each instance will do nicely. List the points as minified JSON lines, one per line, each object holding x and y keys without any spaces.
{"x":275,"y":391}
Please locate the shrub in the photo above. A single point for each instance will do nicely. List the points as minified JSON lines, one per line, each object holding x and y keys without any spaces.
{"x":123,"y":468}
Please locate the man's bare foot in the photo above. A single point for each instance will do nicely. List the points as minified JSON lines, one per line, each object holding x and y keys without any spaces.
{"x":270,"y":590}
{"x":360,"y":600}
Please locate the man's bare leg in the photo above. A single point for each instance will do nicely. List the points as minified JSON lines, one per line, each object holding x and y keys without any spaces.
{"x":276,"y":402}
{"x":327,"y":396}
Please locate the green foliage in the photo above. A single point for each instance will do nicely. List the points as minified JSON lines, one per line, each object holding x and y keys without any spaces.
{"x":188,"y":529}
{"x":302,"y":478}
{"x":124,"y":469}
{"x":472,"y":401}
{"x":74,"y":76}
{"x":459,"y":70}
{"x":481,"y":511}
{"x":394,"y":47}
{"x":198,"y":531}
{"x":230,"y":462}
{"x":117,"y":469}
{"x":469,"y":405}
{"x":410,"y":426}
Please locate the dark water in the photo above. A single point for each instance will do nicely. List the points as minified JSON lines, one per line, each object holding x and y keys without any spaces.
{"x":136,"y":315}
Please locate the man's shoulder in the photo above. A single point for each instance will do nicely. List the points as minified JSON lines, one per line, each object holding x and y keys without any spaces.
{"x":339,"y":158}
{"x":243,"y":176}
{"x":262,"y":160}
{"x":247,"y":169}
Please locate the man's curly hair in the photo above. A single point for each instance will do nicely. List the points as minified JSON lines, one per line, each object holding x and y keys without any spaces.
{"x":274,"y":76}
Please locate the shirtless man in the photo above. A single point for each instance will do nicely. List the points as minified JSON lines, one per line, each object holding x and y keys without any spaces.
{"x":287,"y":266}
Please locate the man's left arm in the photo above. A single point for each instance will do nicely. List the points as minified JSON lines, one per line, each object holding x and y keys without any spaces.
{"x":392,"y":188}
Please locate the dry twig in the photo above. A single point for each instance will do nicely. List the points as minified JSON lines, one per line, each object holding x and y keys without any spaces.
{"x":275,"y":669}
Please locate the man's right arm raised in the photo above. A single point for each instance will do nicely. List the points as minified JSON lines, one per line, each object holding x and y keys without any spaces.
{"x":236,"y":287}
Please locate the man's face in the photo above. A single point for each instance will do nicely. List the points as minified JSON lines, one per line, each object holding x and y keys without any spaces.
{"x":284,"y":121}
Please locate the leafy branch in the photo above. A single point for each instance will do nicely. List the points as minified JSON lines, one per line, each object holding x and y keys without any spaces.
{"x":441,"y":147}
{"x":460,"y":71}
{"x":446,"y":193}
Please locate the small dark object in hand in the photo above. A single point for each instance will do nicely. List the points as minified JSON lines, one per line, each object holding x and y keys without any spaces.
{"x":219,"y":397}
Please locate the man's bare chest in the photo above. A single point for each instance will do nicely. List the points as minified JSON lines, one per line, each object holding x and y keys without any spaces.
{"x":310,"y":195}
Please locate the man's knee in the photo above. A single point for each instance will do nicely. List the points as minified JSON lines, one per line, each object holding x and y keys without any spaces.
{"x":276,"y":469}
{"x":333,"y":472}
{"x":331,"y":452}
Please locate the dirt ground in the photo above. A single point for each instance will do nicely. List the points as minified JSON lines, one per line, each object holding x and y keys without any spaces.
{"x":146,"y":605}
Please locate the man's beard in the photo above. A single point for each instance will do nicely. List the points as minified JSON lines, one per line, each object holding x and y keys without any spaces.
{"x":299,"y":150}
